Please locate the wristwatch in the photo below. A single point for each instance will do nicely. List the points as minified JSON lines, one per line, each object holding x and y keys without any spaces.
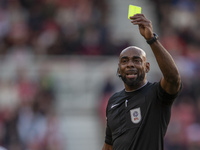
{"x":155,"y":38}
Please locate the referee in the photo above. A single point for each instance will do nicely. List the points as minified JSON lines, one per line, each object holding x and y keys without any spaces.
{"x":138,"y":116}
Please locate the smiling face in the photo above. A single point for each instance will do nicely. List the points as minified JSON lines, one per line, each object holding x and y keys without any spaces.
{"x":133,"y":67}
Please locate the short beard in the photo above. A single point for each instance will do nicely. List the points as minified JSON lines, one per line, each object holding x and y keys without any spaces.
{"x":134,"y":82}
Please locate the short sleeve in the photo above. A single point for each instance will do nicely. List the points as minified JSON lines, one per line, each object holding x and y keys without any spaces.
{"x":166,"y":98}
{"x":108,"y":138}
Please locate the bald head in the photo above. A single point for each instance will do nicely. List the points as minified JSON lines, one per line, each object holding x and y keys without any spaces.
{"x":133,"y":50}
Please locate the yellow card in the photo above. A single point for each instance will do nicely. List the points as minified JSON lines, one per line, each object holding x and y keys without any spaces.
{"x":134,"y":10}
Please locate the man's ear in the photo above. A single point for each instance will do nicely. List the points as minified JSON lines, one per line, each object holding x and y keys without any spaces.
{"x":118,"y":72}
{"x":147,"y":67}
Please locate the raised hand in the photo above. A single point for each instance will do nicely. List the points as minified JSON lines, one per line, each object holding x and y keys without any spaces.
{"x":145,"y":25}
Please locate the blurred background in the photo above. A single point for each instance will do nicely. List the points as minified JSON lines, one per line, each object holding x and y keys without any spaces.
{"x":58,"y":63}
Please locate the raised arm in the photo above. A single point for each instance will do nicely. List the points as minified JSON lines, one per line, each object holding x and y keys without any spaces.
{"x":171,"y":80}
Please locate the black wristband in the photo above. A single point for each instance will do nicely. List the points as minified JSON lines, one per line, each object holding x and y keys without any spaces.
{"x":155,"y":38}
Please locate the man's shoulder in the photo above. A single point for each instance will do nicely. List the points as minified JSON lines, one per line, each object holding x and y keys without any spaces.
{"x":118,"y":94}
{"x":153,"y":86}
{"x":116,"y":98}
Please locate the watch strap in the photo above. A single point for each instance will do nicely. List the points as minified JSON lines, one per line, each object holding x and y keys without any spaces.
{"x":151,"y":41}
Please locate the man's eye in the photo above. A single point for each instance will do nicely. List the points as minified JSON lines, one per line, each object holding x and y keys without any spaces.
{"x":124,"y":60}
{"x":137,"y":61}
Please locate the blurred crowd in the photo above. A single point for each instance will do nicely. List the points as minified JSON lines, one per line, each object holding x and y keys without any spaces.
{"x":56,"y":27}
{"x":28,"y":119}
{"x":31,"y":28}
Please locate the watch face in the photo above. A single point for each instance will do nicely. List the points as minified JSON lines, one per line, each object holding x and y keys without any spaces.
{"x":156,"y":36}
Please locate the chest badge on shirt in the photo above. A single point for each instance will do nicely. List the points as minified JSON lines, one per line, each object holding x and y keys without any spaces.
{"x":135,"y":115}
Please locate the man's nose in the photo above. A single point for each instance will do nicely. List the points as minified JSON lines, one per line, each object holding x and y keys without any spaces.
{"x":130,"y":64}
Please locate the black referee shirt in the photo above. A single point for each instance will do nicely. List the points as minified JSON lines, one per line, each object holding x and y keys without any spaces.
{"x":138,"y":120}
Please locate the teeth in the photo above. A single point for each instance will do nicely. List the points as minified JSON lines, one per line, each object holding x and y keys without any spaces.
{"x":131,"y":76}
{"x":131,"y":73}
